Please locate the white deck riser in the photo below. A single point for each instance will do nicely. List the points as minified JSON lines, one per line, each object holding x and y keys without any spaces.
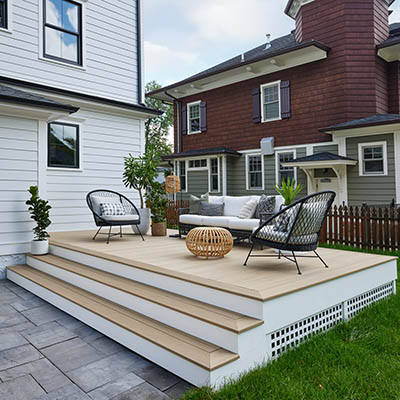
{"x":219,"y":298}
{"x":288,"y":309}
{"x":195,"y":327}
{"x":191,"y":372}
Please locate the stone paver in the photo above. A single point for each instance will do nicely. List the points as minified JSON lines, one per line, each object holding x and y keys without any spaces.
{"x":46,"y":354}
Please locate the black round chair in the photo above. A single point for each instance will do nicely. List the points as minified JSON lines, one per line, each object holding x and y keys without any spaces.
{"x":96,"y":198}
{"x":295,"y":228}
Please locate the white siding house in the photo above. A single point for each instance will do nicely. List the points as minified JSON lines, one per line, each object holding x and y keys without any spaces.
{"x":70,"y":79}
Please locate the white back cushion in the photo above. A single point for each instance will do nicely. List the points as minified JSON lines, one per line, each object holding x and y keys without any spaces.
{"x":97,"y":200}
{"x":233,"y":205}
{"x":216,"y":199}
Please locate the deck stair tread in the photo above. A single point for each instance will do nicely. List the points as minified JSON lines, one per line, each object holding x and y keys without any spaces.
{"x":212,"y":314}
{"x":197,"y":351}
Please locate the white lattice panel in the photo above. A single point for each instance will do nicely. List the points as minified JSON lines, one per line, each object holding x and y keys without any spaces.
{"x":294,"y":334}
{"x":355,"y":305}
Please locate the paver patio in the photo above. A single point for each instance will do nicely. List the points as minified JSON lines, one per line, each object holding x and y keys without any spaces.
{"x":46,"y":354}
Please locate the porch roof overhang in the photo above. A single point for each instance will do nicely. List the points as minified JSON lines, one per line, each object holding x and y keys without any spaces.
{"x":320,"y":160}
{"x":203,"y":152}
{"x":389,"y":50}
{"x":273,"y":61}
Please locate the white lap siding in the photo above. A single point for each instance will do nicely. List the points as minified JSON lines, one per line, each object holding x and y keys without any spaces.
{"x":106,"y":140}
{"x":18,"y":171}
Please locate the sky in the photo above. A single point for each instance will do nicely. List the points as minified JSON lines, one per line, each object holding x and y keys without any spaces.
{"x":183,"y":37}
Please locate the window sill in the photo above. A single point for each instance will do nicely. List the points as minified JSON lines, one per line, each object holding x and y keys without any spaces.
{"x":376,"y":174}
{"x":6,"y":30}
{"x":255,"y":189}
{"x":63,"y":64}
{"x":271,"y":120}
{"x":64,"y":169}
{"x":194,"y":133}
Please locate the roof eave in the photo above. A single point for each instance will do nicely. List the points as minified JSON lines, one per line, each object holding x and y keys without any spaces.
{"x":211,"y":153}
{"x":358,"y":126}
{"x":314,"y":164}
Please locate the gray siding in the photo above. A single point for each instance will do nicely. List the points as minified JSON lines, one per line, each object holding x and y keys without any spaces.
{"x":301,"y":176}
{"x":197,"y":182}
{"x":331,"y":148}
{"x":370,"y":189}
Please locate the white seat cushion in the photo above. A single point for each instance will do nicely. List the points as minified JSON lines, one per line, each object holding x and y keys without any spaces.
{"x":121,"y":218}
{"x":190,"y":219}
{"x":216,"y":199}
{"x":243,"y":224}
{"x":222,"y":222}
{"x":233,"y":205}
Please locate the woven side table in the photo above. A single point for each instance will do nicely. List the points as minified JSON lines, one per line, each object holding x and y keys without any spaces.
{"x":209,"y":242}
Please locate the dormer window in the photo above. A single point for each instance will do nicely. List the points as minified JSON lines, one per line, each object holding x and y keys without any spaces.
{"x":63,"y":31}
{"x":3,"y":14}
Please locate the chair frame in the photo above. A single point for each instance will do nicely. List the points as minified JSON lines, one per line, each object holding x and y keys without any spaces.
{"x":286,"y":246}
{"x":101,"y":222}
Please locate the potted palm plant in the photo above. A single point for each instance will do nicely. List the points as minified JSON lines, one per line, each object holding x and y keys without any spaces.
{"x":157,"y":199}
{"x":289,"y":190}
{"x":40,"y":213}
{"x":139,"y":173}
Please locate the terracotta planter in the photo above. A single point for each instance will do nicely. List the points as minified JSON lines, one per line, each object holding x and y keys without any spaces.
{"x":159,"y":228}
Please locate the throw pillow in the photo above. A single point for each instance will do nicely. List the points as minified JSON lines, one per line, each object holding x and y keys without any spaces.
{"x":110,"y":209}
{"x":247,"y":211}
{"x":194,"y":203}
{"x":266,"y":205}
{"x":211,"y":210}
{"x":285,"y":221}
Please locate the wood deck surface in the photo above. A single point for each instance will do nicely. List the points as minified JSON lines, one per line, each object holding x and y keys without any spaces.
{"x":262,"y":279}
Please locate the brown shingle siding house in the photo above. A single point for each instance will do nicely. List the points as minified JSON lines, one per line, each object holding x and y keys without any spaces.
{"x":332,"y":85}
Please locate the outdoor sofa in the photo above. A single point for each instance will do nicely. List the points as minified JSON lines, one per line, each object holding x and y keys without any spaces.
{"x":240,"y":228}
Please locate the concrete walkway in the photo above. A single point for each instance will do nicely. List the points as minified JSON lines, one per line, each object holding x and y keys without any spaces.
{"x":45,"y":354}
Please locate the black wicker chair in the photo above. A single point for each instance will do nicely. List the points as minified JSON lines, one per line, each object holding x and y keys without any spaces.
{"x":132,"y":217}
{"x":295,"y":228}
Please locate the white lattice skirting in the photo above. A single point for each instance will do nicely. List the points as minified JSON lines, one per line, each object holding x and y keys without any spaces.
{"x":292,"y":335}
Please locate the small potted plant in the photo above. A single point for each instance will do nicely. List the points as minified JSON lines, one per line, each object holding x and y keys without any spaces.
{"x":289,"y":190}
{"x":157,"y":199}
{"x":40,"y":213}
{"x":139,"y":173}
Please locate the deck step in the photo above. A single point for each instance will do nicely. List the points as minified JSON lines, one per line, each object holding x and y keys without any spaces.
{"x":203,"y":354}
{"x":210,"y":314}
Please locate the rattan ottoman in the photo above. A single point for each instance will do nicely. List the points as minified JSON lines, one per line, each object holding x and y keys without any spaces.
{"x":209,"y":242}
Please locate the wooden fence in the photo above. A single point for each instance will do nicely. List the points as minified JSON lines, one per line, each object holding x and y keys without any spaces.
{"x":173,"y":211}
{"x":367,"y":227}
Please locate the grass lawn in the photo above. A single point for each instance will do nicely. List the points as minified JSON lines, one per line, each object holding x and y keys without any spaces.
{"x":359,"y":359}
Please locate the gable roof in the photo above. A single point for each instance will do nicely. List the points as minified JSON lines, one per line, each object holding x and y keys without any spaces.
{"x":372,"y":120}
{"x":9,"y":94}
{"x":325,"y":156}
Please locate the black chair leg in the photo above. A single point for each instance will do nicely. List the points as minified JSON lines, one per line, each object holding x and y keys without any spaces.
{"x":279,"y":254}
{"x":140,"y":232}
{"x":120,"y":231}
{"x":109,"y":235}
{"x":323,"y":262}
{"x":98,"y":231}
{"x":248,"y":255}
{"x":297,"y":265}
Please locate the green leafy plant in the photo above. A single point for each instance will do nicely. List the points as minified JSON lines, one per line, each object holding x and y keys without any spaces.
{"x":289,"y":190}
{"x":40,"y":213}
{"x":157,"y":199}
{"x":140,"y":172}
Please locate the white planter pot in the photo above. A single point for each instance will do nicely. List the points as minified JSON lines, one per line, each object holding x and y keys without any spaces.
{"x":145,"y":220}
{"x":39,"y":247}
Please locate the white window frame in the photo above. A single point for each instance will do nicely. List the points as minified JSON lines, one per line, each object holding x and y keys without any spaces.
{"x":361,"y":147}
{"x":189,"y":168}
{"x":178,"y":174}
{"x":41,"y":38}
{"x":9,"y":18}
{"x":277,"y":164}
{"x":262,"y":87}
{"x":262,"y":171}
{"x":218,"y":172}
{"x":80,"y":148}
{"x":194,"y":103}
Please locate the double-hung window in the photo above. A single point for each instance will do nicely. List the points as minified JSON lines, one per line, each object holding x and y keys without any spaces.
{"x":270,"y":102}
{"x":3,"y":14}
{"x":214,"y":175}
{"x":62,"y":31}
{"x":182,"y":175}
{"x":63,"y":145}
{"x":285,"y":172}
{"x":193,"y":111}
{"x":255,"y":174}
{"x":373,"y":158}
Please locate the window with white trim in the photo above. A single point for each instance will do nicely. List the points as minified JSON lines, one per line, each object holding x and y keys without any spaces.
{"x":255,"y":173}
{"x":270,"y":102}
{"x":285,"y":172}
{"x":214,"y":175}
{"x":4,"y":14}
{"x":193,"y":112}
{"x":182,"y":175}
{"x":372,"y":158}
{"x":201,"y":163}
{"x":63,"y":145}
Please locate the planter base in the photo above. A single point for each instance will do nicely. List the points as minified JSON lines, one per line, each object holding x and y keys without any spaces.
{"x":159,"y":229}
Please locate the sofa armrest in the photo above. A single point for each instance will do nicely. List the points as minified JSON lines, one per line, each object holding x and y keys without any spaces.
{"x":182,"y":211}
